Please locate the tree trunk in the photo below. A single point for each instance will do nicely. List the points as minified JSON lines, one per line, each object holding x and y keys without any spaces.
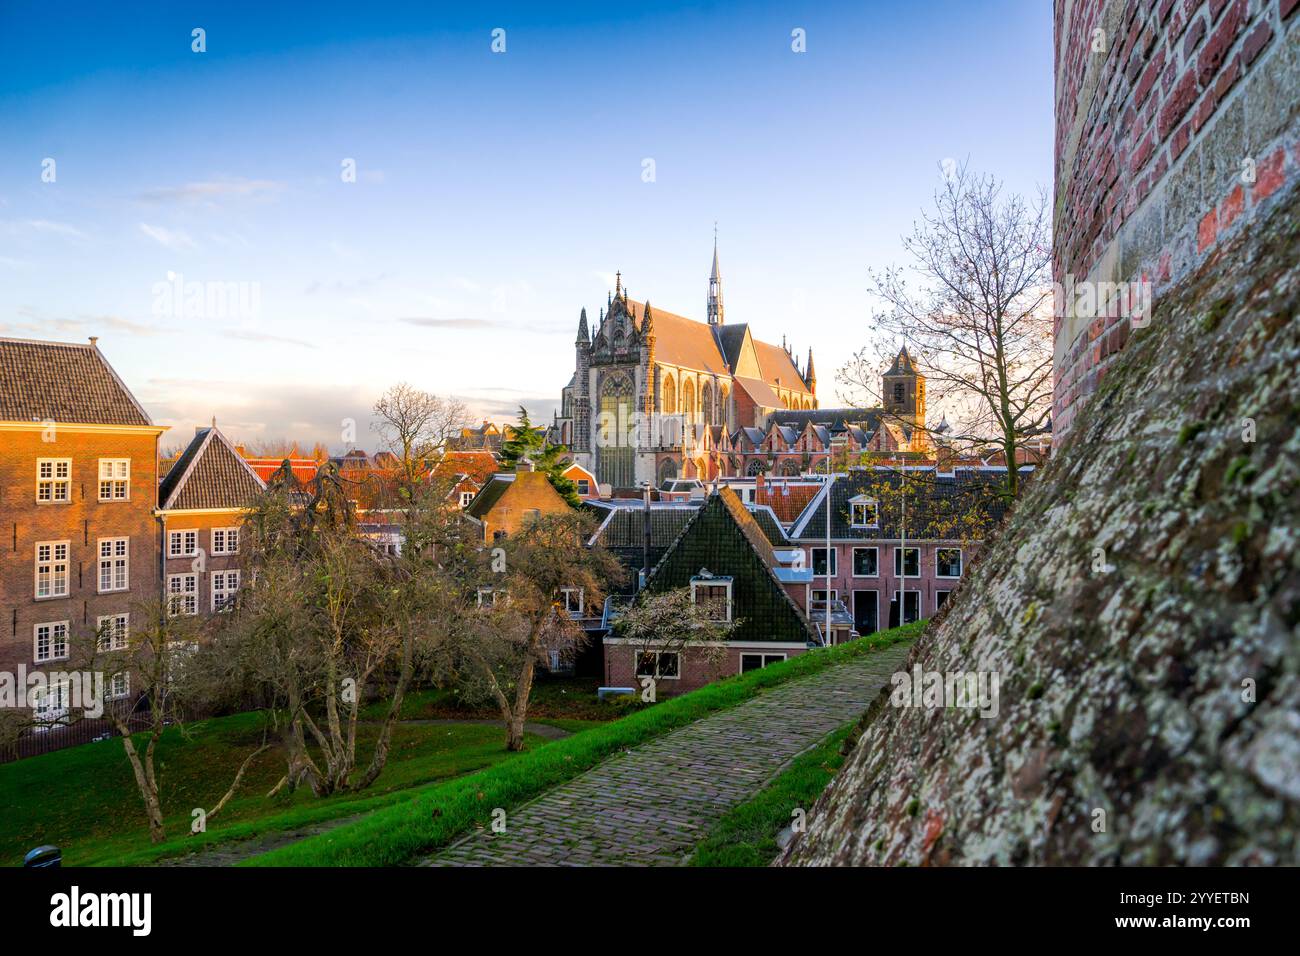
{"x":518,"y":713}
{"x":148,"y":786}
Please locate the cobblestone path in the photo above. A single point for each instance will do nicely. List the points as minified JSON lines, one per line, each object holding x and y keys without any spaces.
{"x":651,"y":805}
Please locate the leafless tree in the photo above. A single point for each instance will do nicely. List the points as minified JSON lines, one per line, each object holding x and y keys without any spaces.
{"x":978,"y":324}
{"x":416,"y":426}
{"x":671,"y":622}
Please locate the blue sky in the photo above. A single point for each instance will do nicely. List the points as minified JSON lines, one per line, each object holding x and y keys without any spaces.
{"x":495,"y":193}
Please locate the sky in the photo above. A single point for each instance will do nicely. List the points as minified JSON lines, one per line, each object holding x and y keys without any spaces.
{"x":365,"y":194}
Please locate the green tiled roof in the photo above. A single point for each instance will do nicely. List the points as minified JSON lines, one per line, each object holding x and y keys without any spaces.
{"x":726,"y":540}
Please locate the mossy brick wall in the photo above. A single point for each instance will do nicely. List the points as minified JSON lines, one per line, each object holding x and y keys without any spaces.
{"x":1176,"y":123}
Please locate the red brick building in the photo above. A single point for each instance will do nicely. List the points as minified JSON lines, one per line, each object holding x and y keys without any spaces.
{"x":202,"y":503}
{"x":78,"y":479}
{"x":1176,"y":123}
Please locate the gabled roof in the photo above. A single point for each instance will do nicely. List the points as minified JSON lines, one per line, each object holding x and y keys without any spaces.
{"x":836,"y":419}
{"x":496,"y":487}
{"x":725,"y":539}
{"x":63,"y":382}
{"x":478,"y":464}
{"x":681,"y":341}
{"x":209,"y":474}
{"x":902,"y":364}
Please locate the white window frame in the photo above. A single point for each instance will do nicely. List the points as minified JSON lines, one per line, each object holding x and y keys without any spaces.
{"x":902,"y":606}
{"x":227,"y":534}
{"x":225,"y":590}
{"x":51,"y":655}
{"x":900,"y":563}
{"x":715,"y":583}
{"x":961,"y":564}
{"x":117,"y":637}
{"x":174,"y":536}
{"x":566,"y":592}
{"x":658,"y":675}
{"x":766,"y":657}
{"x":53,"y":564}
{"x":61,"y":693}
{"x":861,"y":501}
{"x":466,"y":497}
{"x":112,"y":691}
{"x":854,"y":558}
{"x":54,"y":481}
{"x":112,"y":563}
{"x":119,"y":474}
{"x":584,"y":486}
{"x":832,"y":563}
{"x":189,"y":598}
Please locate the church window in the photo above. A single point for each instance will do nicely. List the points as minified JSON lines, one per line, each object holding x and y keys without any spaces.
{"x":688,"y":398}
{"x":898,"y":391}
{"x":669,"y":396}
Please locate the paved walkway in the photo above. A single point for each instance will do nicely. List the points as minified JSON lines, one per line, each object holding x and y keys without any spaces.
{"x":651,"y":805}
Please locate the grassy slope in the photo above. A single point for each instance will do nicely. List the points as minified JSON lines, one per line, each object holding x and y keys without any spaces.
{"x":84,"y":799}
{"x":434,"y":817}
{"x":746,"y":836}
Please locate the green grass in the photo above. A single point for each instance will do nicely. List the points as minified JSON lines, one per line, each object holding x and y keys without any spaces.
{"x":435,"y":816}
{"x":746,"y":836}
{"x":84,"y":799}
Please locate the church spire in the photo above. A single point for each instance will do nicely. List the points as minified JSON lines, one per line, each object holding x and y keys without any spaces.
{"x":713,"y":308}
{"x":583,"y":337}
{"x":809,"y":375}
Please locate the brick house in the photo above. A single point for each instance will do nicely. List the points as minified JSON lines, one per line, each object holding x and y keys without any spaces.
{"x":722,"y":554}
{"x":202,"y":503}
{"x":507,"y":501}
{"x":78,"y":480}
{"x":893,"y":558}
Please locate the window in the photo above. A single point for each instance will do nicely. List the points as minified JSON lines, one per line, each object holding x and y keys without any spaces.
{"x":119,"y":685}
{"x":52,"y":569}
{"x":819,"y":595}
{"x":114,"y":479}
{"x":51,"y":641}
{"x":754,"y":662}
{"x":584,"y":487}
{"x":939,"y":598}
{"x":225,"y":585}
{"x":50,"y":704}
{"x":898,"y":391}
{"x":819,"y":562}
{"x":660,"y":665}
{"x":182,"y":544}
{"x":225,"y":541}
{"x":573,"y":600}
{"x":910,"y":606}
{"x":714,"y":594}
{"x":112,"y":630}
{"x":907,"y":562}
{"x":54,"y":480}
{"x":864,"y":513}
{"x":948,"y":562}
{"x":182,"y":594}
{"x":114,"y":564}
{"x":866,"y":562}
{"x":465,"y":498}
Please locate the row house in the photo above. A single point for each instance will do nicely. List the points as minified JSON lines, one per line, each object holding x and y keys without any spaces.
{"x":202,"y":503}
{"x":900,"y":542}
{"x":78,"y":475}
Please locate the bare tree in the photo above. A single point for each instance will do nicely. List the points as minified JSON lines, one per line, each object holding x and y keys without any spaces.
{"x":978,"y":325}
{"x":521,"y":618}
{"x":416,"y":426}
{"x":671,"y":622}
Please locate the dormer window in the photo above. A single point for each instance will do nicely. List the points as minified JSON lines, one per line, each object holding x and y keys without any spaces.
{"x":864,"y":512}
{"x":714,"y":594}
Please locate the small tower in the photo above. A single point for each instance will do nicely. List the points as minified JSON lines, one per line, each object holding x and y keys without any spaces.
{"x":903,"y":390}
{"x":581,"y":383}
{"x":713,"y":309}
{"x":810,"y":376}
{"x":648,"y":360}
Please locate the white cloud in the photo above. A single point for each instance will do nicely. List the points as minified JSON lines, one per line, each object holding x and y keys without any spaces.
{"x":167,"y":237}
{"x":212,"y":190}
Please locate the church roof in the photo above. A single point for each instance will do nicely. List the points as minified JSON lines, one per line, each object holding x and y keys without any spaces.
{"x":777,"y":364}
{"x":682,"y":341}
{"x":902,"y":364}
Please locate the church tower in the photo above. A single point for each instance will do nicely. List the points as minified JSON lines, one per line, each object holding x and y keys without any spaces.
{"x":903,"y":390}
{"x":713,"y":309}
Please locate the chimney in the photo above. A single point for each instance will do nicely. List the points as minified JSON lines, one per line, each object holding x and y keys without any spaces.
{"x":94,"y":341}
{"x":524,"y":464}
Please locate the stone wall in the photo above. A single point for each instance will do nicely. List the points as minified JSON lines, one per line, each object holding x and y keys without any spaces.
{"x":1142,"y":613}
{"x":1176,"y":124}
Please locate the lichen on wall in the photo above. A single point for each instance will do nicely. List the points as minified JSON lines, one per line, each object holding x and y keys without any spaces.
{"x":1141,"y":610}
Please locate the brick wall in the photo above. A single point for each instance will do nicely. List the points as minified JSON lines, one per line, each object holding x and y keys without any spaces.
{"x":697,"y":667}
{"x":80,"y":522}
{"x":209,"y":563}
{"x":530,"y":492}
{"x":1176,"y":123}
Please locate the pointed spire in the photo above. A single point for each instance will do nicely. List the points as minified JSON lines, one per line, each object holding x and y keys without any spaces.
{"x":713,"y":306}
{"x":647,"y":322}
{"x":810,"y":376}
{"x":618,"y":283}
{"x":583,"y":337}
